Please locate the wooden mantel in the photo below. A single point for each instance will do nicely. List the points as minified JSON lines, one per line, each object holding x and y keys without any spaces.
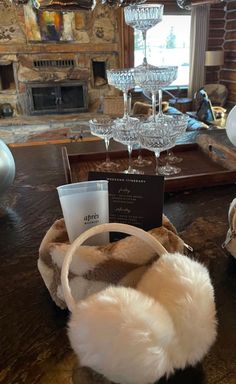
{"x":57,"y":48}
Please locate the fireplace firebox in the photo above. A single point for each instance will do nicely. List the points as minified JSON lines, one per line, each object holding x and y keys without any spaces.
{"x":57,"y":98}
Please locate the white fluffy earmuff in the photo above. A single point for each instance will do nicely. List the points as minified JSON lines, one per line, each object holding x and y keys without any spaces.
{"x":136,"y":336}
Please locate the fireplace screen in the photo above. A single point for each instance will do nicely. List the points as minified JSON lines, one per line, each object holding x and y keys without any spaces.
{"x":57,"y":98}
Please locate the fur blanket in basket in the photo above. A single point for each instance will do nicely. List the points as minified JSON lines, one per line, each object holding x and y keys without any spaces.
{"x":95,"y":267}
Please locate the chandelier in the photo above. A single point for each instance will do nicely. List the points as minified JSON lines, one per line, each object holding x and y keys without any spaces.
{"x":184,"y":4}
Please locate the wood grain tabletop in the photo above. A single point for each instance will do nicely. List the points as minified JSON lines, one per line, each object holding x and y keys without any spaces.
{"x":34,"y":348}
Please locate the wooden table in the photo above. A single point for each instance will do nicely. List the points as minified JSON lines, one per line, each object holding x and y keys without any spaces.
{"x":33,"y":346}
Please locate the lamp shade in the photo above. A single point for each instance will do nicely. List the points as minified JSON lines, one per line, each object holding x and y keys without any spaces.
{"x":214,"y":58}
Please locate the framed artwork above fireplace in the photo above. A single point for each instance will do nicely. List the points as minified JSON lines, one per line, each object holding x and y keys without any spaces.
{"x":44,"y":26}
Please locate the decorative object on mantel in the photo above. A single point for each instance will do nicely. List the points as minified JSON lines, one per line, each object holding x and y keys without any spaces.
{"x":122,"y":262}
{"x":139,"y":335}
{"x":7,"y":167}
{"x":6,"y":110}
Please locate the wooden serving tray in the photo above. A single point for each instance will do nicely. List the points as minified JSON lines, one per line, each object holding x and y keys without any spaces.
{"x":200,"y":167}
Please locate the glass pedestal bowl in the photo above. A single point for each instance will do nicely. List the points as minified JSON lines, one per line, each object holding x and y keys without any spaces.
{"x":143,"y":17}
{"x":122,"y":79}
{"x":152,"y":80}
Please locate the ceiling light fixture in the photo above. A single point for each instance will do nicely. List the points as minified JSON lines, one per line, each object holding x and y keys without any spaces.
{"x":187,"y":4}
{"x":184,"y":4}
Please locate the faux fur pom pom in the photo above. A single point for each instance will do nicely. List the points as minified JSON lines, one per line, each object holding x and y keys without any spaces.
{"x":137,"y":336}
{"x":124,"y":335}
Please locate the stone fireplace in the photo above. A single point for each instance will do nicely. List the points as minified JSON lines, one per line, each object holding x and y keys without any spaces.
{"x":59,"y":77}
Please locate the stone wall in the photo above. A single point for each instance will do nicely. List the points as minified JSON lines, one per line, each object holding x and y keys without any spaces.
{"x":10,"y":29}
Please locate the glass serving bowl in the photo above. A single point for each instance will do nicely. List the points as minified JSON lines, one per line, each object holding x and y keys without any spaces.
{"x":143,"y":17}
{"x":122,"y":79}
{"x":154,"y":137}
{"x":127,"y":133}
{"x":177,"y":125}
{"x":103,"y":127}
{"x":153,"y":79}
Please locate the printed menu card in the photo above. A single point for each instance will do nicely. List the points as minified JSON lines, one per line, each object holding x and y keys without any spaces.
{"x":133,"y":199}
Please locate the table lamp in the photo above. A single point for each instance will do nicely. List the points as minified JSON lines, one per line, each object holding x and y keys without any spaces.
{"x":214,"y":58}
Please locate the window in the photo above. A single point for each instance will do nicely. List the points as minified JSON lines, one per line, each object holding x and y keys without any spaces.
{"x":167,"y":44}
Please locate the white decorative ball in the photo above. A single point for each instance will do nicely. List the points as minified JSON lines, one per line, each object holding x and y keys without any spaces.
{"x":231,"y":126}
{"x":7,"y":167}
